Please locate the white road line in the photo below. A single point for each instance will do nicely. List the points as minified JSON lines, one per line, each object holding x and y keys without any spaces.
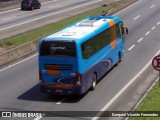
{"x":158,"y":23}
{"x":18,"y":62}
{"x":137,"y":17}
{"x":128,"y":7}
{"x":123,"y":89}
{"x":49,"y":2}
{"x":61,"y":101}
{"x":140,"y":39}
{"x":147,"y":33}
{"x":152,"y":6}
{"x":153,"y":27}
{"x":144,"y":95}
{"x":9,"y":10}
{"x":54,"y":6}
{"x":8,"y":18}
{"x":37,"y":53}
{"x":49,"y":15}
{"x":19,"y":8}
{"x":131,"y":47}
{"x":114,"y":98}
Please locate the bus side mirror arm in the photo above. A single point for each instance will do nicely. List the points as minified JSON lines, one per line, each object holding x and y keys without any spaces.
{"x":125,"y":28}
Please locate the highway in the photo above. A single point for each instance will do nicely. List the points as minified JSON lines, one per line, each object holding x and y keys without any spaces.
{"x":19,"y":88}
{"x":16,"y":21}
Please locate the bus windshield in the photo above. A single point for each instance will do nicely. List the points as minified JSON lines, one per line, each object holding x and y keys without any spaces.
{"x":58,"y":48}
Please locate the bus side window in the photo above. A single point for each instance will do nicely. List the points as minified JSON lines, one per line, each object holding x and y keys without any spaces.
{"x":87,"y":50}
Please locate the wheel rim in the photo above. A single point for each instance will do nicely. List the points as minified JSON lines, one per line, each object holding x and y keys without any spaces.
{"x":94,"y":81}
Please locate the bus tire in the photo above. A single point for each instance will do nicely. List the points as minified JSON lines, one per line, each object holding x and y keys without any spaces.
{"x":94,"y":81}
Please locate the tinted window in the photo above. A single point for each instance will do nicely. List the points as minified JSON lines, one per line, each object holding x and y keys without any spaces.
{"x":57,"y":48}
{"x":93,"y":45}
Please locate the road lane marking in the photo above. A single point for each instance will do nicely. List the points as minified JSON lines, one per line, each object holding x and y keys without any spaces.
{"x":50,"y":15}
{"x":137,"y":17}
{"x":128,"y":7}
{"x":147,"y":33}
{"x":123,"y":89}
{"x":117,"y":95}
{"x":54,"y":6}
{"x":153,"y":27}
{"x":152,"y":6}
{"x":140,"y":39}
{"x":58,"y":103}
{"x":61,"y":101}
{"x":8,"y":18}
{"x":18,"y":62}
{"x":49,"y":1}
{"x":158,"y":23}
{"x":9,"y":10}
{"x":19,"y":8}
{"x":37,"y":53}
{"x":131,"y":47}
{"x":146,"y":93}
{"x":30,"y":21}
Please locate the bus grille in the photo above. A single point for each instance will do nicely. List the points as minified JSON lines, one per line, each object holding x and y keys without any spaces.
{"x":58,"y":66}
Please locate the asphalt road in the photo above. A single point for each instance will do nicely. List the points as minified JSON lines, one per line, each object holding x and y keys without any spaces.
{"x":19,"y":88}
{"x":16,"y":21}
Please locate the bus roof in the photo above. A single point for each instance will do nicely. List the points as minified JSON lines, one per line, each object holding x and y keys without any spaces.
{"x":84,"y":27}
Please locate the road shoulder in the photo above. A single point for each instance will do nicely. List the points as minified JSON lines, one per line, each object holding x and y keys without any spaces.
{"x":131,"y":97}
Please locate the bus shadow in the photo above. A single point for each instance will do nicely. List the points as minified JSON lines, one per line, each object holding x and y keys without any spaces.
{"x":76,"y":98}
{"x":34,"y":94}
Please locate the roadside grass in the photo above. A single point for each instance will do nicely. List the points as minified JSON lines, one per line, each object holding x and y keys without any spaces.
{"x":150,"y":103}
{"x":51,"y":28}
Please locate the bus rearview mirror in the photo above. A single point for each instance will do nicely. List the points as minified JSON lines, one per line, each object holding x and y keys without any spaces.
{"x":124,"y":30}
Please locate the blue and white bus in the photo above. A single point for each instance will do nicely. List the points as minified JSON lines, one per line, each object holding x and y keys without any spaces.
{"x":72,"y":60}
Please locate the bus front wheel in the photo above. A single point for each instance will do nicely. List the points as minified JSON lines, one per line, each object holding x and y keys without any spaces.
{"x":94,"y":81}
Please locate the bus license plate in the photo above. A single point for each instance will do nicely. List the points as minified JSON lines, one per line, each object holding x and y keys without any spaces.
{"x":60,"y":91}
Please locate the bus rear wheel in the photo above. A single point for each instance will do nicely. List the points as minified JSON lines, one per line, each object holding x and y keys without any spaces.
{"x":94,"y":81}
